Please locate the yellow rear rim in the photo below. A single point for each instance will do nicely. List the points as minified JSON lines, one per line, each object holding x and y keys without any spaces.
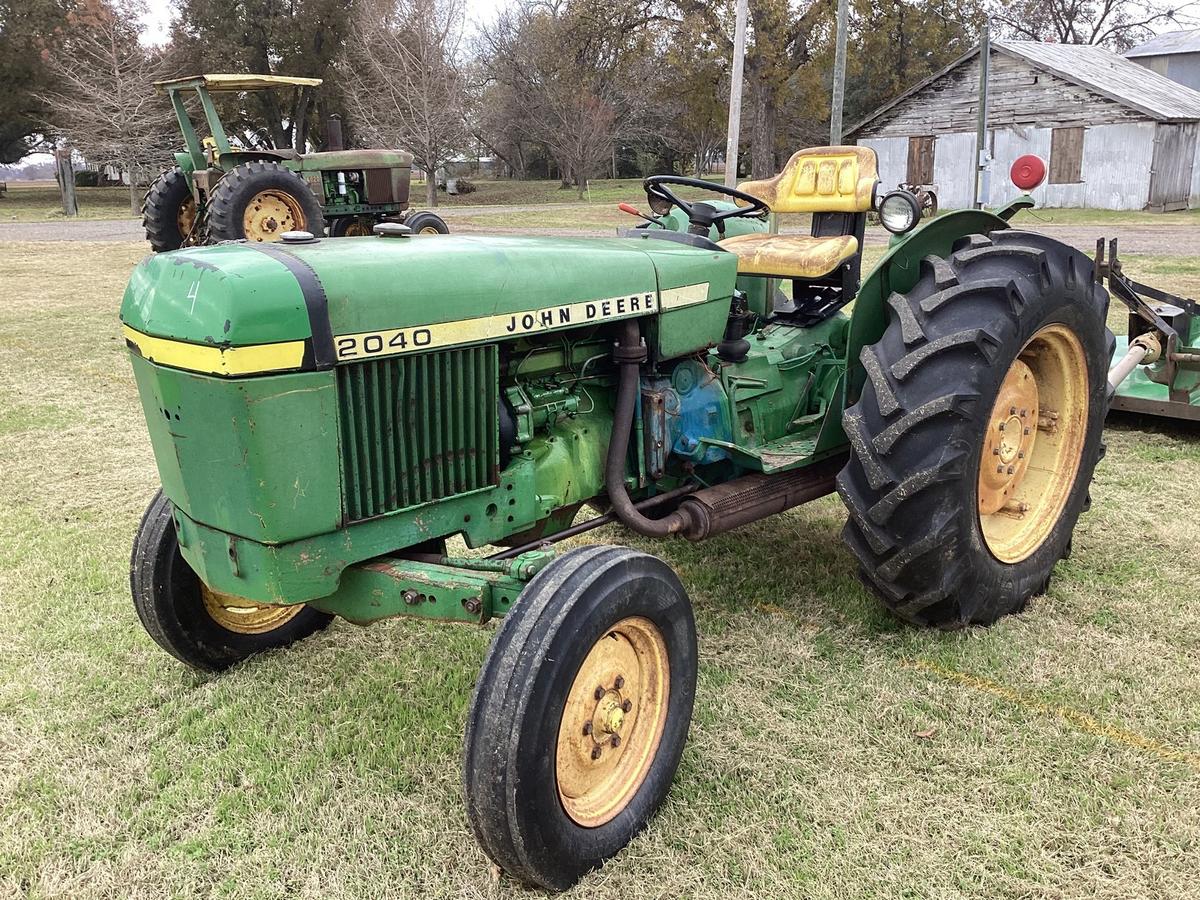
{"x":1033,"y":444}
{"x":429,"y":229}
{"x":246,"y":616}
{"x":270,"y":213}
{"x":359,"y":228}
{"x":614,"y":719}
{"x":185,"y":218}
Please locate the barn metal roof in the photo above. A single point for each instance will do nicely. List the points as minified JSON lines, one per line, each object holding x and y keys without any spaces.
{"x":1113,"y":76}
{"x":1171,"y":42}
{"x":1095,"y":68}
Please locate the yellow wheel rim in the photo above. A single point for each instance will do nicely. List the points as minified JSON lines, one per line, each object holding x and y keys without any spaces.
{"x":185,"y":218}
{"x":1033,"y":444}
{"x":613,"y":721}
{"x":270,"y":213}
{"x":246,"y":616}
{"x":429,"y":229}
{"x":359,"y":228}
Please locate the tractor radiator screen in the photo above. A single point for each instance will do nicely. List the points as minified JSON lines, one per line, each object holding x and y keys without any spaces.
{"x":417,"y":428}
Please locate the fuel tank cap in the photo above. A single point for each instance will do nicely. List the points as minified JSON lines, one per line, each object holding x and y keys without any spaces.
{"x":392,"y":229}
{"x":297,"y":237}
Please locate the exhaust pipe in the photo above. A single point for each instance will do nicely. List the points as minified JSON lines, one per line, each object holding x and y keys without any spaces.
{"x":724,"y":507}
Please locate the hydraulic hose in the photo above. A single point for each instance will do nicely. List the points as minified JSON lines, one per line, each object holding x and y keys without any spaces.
{"x":629,"y":354}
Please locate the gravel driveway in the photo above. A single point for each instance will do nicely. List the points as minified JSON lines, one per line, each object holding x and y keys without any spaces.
{"x":1174,"y":240}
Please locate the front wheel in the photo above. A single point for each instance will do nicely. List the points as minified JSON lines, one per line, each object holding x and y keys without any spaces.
{"x":427,"y":223}
{"x":580,"y":714}
{"x":205,"y":629}
{"x":978,"y":429}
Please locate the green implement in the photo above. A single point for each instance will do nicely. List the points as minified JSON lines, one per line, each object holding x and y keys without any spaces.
{"x":1157,"y":372}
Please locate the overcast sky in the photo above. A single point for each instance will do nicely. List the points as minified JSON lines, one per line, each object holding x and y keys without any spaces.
{"x":158,"y":19}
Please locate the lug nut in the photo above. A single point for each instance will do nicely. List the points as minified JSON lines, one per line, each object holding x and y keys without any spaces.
{"x":1010,"y":470}
{"x":1012,"y":410}
{"x":587,"y":727}
{"x":1024,"y":413}
{"x":1000,"y":469}
{"x":995,"y":451}
{"x":411,"y":597}
{"x":1020,"y":454}
{"x":599,"y":695}
{"x":620,"y":682}
{"x":616,"y":740}
{"x":1001,"y":426}
{"x":595,"y":753}
{"x":1027,"y":431}
{"x":627,"y":706}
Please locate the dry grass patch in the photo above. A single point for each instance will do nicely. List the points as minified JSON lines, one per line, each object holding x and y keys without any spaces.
{"x":834,"y":752}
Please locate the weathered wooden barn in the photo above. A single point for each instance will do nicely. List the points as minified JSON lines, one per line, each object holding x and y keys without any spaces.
{"x":1115,"y":135}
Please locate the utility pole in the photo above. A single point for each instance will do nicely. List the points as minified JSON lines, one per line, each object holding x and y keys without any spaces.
{"x":839,"y":75}
{"x":735,"y":95}
{"x":979,"y":188}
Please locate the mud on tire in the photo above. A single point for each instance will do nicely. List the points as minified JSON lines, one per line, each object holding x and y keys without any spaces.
{"x":917,"y":433}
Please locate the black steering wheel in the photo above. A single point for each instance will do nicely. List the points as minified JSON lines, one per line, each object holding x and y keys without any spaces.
{"x":702,"y":216}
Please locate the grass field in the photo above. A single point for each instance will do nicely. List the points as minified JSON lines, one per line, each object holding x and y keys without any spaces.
{"x":834,"y":753}
{"x":39,"y":202}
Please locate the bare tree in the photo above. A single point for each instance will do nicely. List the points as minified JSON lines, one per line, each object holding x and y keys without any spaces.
{"x":404,"y":84}
{"x":573,"y":73}
{"x":1115,"y":23}
{"x":104,"y":103}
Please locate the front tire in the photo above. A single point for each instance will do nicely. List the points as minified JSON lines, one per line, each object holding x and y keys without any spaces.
{"x":580,"y":714}
{"x":261,"y":201}
{"x":206,"y":630}
{"x":978,"y":429}
{"x":427,"y":223}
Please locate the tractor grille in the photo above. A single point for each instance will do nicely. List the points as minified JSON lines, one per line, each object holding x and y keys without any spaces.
{"x":417,"y":428}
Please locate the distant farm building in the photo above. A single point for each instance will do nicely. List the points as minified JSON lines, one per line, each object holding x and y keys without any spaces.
{"x":1114,"y":135}
{"x":1175,"y":55}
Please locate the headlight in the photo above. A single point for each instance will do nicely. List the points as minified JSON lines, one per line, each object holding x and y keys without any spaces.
{"x":899,"y":212}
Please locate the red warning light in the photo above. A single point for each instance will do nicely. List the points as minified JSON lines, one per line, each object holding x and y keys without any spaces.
{"x":1028,"y":172}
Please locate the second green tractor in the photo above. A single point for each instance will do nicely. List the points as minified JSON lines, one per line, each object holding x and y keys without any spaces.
{"x":221,"y":190}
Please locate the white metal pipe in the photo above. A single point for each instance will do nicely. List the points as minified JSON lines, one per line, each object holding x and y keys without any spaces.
{"x":1144,"y":348}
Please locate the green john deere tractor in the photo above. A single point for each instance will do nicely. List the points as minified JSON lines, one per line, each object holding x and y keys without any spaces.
{"x":219,"y":192}
{"x":327,"y":419}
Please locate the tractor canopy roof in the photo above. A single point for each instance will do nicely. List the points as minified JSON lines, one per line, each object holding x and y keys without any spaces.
{"x":235,"y":82}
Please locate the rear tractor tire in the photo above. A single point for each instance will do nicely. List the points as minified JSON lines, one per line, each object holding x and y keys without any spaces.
{"x":260,"y":202}
{"x":169,"y":212}
{"x":580,"y":714}
{"x":207,"y":630}
{"x":978,"y":429}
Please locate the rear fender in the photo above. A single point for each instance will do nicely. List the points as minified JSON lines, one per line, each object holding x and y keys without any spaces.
{"x":899,"y":270}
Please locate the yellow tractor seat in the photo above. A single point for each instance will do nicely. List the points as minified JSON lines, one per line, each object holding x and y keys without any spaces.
{"x":790,"y":256}
{"x":837,"y":186}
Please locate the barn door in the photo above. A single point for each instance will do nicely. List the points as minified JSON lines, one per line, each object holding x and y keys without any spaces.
{"x":920,"y":160}
{"x":1171,"y":168}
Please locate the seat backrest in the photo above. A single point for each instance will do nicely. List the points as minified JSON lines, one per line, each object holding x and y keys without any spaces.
{"x":821,"y":179}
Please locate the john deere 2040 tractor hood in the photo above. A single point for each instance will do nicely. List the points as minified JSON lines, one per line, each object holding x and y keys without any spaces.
{"x":244,"y":308}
